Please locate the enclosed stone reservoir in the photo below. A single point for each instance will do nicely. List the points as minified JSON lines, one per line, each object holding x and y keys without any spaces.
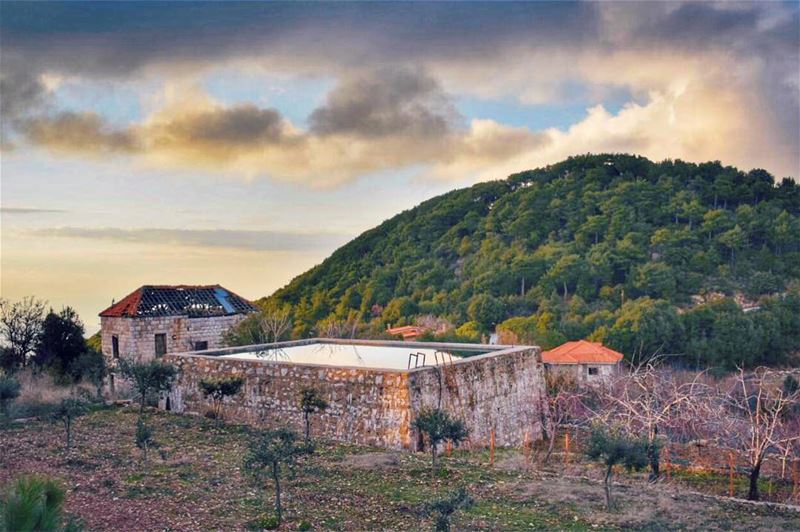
{"x":492,"y":388}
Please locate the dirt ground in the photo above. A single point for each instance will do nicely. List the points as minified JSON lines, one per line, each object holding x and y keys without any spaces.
{"x":194,"y":480}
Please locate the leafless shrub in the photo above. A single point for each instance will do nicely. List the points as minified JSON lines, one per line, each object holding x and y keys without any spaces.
{"x":756,"y":416}
{"x":562,"y":402}
{"x":339,"y":328}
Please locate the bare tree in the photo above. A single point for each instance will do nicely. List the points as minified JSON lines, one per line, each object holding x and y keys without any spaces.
{"x":561,"y":402}
{"x":269,"y":325}
{"x":20,"y":326}
{"x":653,"y":400}
{"x":757,"y":416}
{"x":275,"y":323}
{"x":339,"y":328}
{"x":789,"y":449}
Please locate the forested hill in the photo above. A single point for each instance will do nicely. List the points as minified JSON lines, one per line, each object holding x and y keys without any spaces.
{"x":612,"y":247}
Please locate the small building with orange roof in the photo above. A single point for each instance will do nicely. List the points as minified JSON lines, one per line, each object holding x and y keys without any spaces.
{"x":408,"y":332}
{"x":590,"y":361}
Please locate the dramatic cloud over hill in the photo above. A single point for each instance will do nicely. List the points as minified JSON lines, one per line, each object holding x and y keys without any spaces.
{"x":693,"y":80}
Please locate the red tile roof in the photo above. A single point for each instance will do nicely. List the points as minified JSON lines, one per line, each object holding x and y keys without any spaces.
{"x":407,"y":331}
{"x":581,"y":352}
{"x":179,"y":300}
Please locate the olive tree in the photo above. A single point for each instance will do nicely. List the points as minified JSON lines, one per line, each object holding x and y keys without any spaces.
{"x":311,"y":401}
{"x":445,"y":507}
{"x":654,"y":400}
{"x":438,"y":427}
{"x":66,"y":412}
{"x":220,"y":388}
{"x":148,"y":378}
{"x":614,"y":447}
{"x":267,"y":453}
{"x":144,"y":438}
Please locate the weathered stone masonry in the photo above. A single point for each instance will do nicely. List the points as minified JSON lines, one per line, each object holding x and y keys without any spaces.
{"x":137,"y":335}
{"x":497,"y":391}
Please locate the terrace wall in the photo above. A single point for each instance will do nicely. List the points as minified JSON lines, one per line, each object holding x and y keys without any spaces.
{"x":366,"y":406}
{"x":371,"y":406}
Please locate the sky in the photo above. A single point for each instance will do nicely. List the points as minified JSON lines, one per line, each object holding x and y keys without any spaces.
{"x":241,"y":143}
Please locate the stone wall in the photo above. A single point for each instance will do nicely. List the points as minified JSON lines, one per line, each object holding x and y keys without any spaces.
{"x":366,"y":406}
{"x":497,"y":391}
{"x":137,"y":335}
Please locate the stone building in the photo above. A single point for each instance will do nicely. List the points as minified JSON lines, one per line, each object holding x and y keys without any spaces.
{"x":155,"y":320}
{"x":587,"y":361}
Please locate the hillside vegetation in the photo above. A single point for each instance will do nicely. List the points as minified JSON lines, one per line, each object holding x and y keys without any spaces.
{"x":644,"y":256}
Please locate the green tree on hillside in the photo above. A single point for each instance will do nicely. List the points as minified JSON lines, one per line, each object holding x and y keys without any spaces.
{"x":610,"y":229}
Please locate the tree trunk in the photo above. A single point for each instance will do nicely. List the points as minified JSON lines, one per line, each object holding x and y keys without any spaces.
{"x":141,"y":404}
{"x":653,"y":456}
{"x":755,"y":472}
{"x":607,"y":485}
{"x":551,"y":443}
{"x":308,"y":427}
{"x":655,"y":471}
{"x":69,"y":433}
{"x":276,"y":478}
{"x":433,"y":456}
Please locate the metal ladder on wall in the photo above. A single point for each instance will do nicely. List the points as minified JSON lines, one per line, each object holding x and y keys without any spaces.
{"x":443,"y":358}
{"x":415,"y":358}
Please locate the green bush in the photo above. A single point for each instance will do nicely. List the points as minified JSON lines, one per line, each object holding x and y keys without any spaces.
{"x":66,"y":412}
{"x":34,"y":503}
{"x":9,"y":391}
{"x":613,"y":447}
{"x":439,"y":427}
{"x":220,"y":388}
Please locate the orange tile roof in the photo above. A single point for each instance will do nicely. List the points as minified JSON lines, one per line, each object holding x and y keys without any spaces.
{"x":407,"y":331}
{"x":581,"y":352}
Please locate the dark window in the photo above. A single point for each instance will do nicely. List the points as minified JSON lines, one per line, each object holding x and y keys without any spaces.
{"x":594,"y":371}
{"x":115,"y":346}
{"x":161,"y":344}
{"x":200,"y":346}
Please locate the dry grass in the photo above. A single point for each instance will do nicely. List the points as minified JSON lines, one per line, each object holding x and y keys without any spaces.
{"x":39,"y":393}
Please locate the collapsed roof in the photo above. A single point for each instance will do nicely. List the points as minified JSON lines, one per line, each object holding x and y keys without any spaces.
{"x":179,"y":300}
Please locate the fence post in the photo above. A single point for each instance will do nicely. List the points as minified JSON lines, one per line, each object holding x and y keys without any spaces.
{"x":491,"y":447}
{"x":730,"y":473}
{"x":526,"y":449}
{"x":566,"y":448}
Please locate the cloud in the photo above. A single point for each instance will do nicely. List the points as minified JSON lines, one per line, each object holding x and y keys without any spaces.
{"x":28,"y":210}
{"x":388,"y":102}
{"x":397,"y":67}
{"x":87,"y":132}
{"x":212,"y":238}
{"x":372,"y":122}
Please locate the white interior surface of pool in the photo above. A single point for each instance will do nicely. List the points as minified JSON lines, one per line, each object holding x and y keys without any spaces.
{"x":367,"y":356}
